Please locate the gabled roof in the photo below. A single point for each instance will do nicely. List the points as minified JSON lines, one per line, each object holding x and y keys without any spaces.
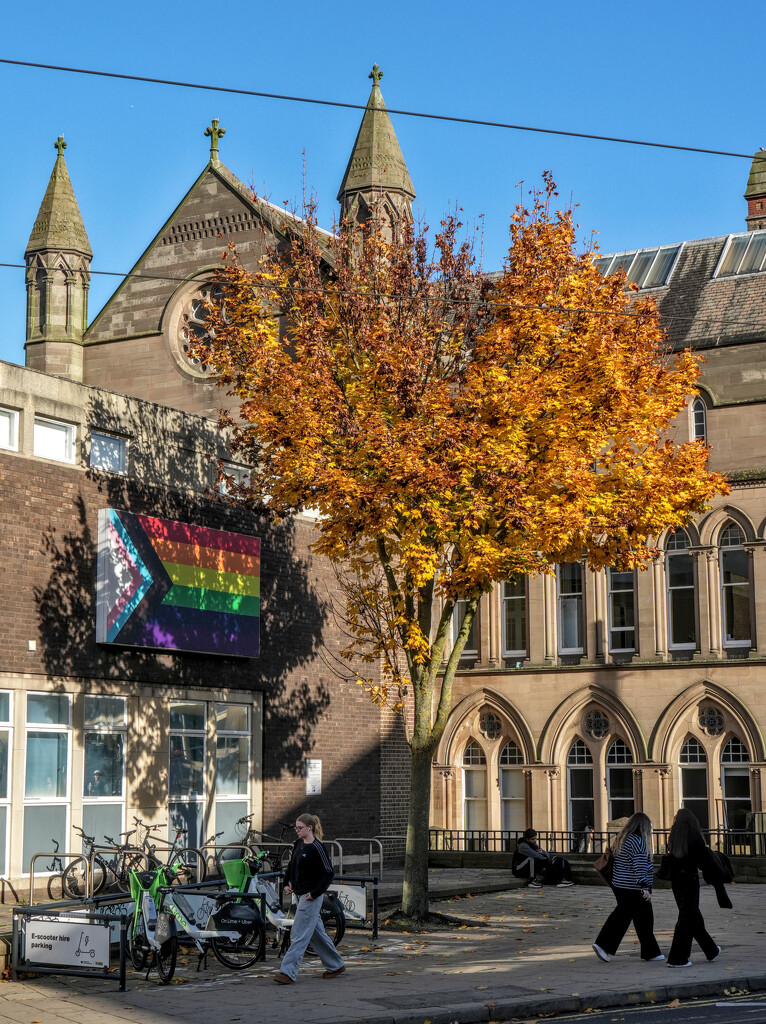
{"x":59,"y":223}
{"x":376,"y":160}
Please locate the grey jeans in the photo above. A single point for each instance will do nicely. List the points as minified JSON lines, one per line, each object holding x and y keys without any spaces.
{"x":308,"y":928}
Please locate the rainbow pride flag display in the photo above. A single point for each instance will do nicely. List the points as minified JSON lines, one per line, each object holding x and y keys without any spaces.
{"x":174,"y":586}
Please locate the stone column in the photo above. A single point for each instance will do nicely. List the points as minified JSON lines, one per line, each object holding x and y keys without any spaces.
{"x":710,"y":603}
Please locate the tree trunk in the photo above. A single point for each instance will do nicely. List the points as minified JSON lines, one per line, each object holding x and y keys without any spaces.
{"x":415,"y":893}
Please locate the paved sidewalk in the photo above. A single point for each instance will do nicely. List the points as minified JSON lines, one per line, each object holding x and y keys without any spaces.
{"x":528,"y":954}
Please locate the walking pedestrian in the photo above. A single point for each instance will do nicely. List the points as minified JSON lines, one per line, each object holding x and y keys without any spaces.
{"x":687,"y":852}
{"x":632,"y":882}
{"x":308,"y":875}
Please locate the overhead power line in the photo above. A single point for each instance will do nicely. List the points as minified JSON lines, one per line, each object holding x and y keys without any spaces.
{"x":360,"y":106}
{"x":705,"y":321}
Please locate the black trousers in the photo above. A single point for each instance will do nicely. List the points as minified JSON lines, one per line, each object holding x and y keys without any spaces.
{"x":690,"y":925}
{"x":631,"y":906}
{"x":553,"y":871}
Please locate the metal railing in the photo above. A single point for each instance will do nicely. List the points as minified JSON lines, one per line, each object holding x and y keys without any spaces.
{"x":728,"y":841}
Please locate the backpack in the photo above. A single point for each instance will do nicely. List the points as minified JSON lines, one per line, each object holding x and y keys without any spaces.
{"x":521,"y":865}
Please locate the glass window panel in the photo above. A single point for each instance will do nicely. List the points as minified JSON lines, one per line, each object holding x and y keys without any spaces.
{"x":695,"y":782}
{"x":571,"y":624}
{"x":9,"y":437}
{"x":677,"y":541}
{"x":54,"y":440}
{"x":640,"y":266}
{"x":47,"y":709}
{"x":512,"y":815}
{"x":471,"y":646}
{"x":581,"y":782}
{"x":735,"y":750}
{"x":693,"y":752}
{"x":754,"y":256}
{"x":736,"y":783}
{"x":659,"y":272}
{"x":570,"y":578}
{"x":602,"y":265}
{"x":476,"y":814}
{"x":683,"y":624}
{"x":681,"y":571}
{"x":512,"y":783}
{"x":104,"y":764}
{"x":187,"y":764}
{"x":515,"y":616}
{"x":46,"y":765}
{"x":731,"y":260}
{"x":232,"y":718}
{"x":734,"y":567}
{"x":621,"y":783}
{"x":5,"y":746}
{"x":579,"y":754}
{"x":227,"y":813}
{"x":622,"y":262}
{"x":475,"y":784}
{"x":699,"y":412}
{"x":108,"y":452}
{"x":232,"y":765}
{"x":473,"y":754}
{"x":44,"y":827}
{"x":737,"y":614}
{"x":102,"y":820}
{"x":4,"y":841}
{"x":104,"y":712}
{"x":619,"y":753}
{"x":188,"y":715}
{"x":511,"y":754}
{"x":5,"y":707}
{"x":189,"y":814}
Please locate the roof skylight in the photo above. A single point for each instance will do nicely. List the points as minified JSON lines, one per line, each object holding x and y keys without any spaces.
{"x":743,"y":254}
{"x":648,"y":268}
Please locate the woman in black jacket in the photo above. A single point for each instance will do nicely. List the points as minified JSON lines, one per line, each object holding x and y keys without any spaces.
{"x":687,"y":853}
{"x":308,"y":875}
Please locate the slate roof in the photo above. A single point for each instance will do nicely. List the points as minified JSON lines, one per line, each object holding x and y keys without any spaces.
{"x":59,"y":223}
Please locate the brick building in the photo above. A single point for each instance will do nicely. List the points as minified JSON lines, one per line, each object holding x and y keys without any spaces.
{"x":167,"y":652}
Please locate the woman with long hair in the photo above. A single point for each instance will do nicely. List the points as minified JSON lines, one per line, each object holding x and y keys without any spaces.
{"x":687,"y":850}
{"x":308,"y":875}
{"x":632,"y":886}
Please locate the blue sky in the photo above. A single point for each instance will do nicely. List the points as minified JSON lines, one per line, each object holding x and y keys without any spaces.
{"x":676,"y":72}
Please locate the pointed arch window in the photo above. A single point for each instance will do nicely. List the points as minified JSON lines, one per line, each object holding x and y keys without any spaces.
{"x":735,"y":785}
{"x":681,"y":592}
{"x":619,"y":780}
{"x":512,"y":811}
{"x":694,"y":788}
{"x":580,"y":787}
{"x":474,"y":787}
{"x":735,"y":587}
{"x":699,"y":421}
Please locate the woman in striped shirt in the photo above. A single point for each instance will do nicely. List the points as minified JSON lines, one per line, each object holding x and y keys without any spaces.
{"x":632,"y":886}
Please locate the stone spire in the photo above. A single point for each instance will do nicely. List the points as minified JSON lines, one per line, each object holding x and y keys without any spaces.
{"x":58,"y":257}
{"x":376,"y":182}
{"x":755,"y":193}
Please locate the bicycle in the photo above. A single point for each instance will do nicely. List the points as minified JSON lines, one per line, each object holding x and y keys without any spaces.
{"x":252,"y":845}
{"x":243,"y":876}
{"x":186,"y":863}
{"x":151,"y":933}
{"x":113,"y":872}
{"x":56,"y":879}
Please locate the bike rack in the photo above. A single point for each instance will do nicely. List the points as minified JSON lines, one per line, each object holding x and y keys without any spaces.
{"x":62,"y":857}
{"x":374,"y":846}
{"x":98,"y":851}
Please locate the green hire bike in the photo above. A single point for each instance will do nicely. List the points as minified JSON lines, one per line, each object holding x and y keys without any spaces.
{"x":233,"y":927}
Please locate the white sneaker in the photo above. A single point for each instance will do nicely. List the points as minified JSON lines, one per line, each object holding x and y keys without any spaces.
{"x":564,"y":884}
{"x":687,"y":964}
{"x":535,"y":885}
{"x":651,"y":959}
{"x":601,"y":954}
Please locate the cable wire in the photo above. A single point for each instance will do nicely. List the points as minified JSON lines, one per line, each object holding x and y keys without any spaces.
{"x":360,"y":106}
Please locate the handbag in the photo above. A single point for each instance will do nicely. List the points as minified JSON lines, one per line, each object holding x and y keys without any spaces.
{"x":604,"y":866}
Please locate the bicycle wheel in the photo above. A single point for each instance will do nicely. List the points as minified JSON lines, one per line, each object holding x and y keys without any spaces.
{"x":188,"y":866}
{"x":165,"y":958}
{"x":55,"y":888}
{"x":335,"y":925}
{"x":128,"y":862}
{"x":242,"y":953}
{"x":138,"y":946}
{"x":74,"y":879}
{"x":284,"y":858}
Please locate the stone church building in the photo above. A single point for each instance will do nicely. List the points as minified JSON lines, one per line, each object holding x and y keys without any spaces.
{"x":169,"y":654}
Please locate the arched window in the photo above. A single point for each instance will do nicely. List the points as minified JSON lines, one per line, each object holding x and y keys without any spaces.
{"x":682,"y":612}
{"x":699,"y":420}
{"x":512,"y":816}
{"x":735,"y":587}
{"x":580,"y":779}
{"x":619,"y":780}
{"x":735,"y":784}
{"x":693,"y":763}
{"x":474,"y":786}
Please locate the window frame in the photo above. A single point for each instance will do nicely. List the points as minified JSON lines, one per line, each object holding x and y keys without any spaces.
{"x":723,"y":550}
{"x":13,"y":430}
{"x":69,"y":429}
{"x":6,"y":726}
{"x":610,"y":592}
{"x":698,"y":412}
{"x":748,"y":238}
{"x":457,"y":622}
{"x":198,"y":797}
{"x":575,"y":596}
{"x":240,"y":474}
{"x":124,"y":444}
{"x":505,"y":600}
{"x":675,"y":552}
{"x":479,"y":768}
{"x":64,"y":801}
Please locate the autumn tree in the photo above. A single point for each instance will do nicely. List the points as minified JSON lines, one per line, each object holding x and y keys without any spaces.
{"x":452,"y":432}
